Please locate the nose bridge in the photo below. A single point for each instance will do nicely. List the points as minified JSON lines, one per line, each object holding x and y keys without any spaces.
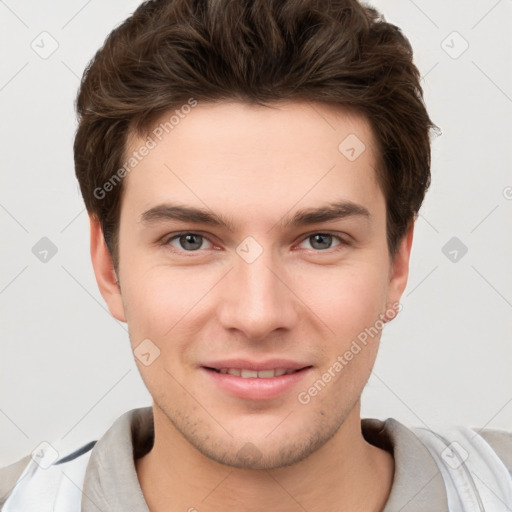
{"x":256,"y":301}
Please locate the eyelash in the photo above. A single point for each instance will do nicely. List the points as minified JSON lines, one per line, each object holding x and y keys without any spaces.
{"x":342,"y":241}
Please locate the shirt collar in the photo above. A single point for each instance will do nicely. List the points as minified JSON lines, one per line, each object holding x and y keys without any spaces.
{"x":111,"y":483}
{"x":418,"y":485}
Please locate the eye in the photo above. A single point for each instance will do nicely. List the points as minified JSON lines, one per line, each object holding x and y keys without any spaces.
{"x":188,"y":242}
{"x":193,"y":242}
{"x":323,"y":241}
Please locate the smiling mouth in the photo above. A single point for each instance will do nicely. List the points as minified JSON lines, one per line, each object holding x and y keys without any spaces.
{"x":255,"y":374}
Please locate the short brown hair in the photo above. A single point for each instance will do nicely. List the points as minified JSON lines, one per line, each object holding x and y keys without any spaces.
{"x":338,"y":52}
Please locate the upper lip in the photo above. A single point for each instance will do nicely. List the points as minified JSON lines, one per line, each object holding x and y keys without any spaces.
{"x":247,"y":364}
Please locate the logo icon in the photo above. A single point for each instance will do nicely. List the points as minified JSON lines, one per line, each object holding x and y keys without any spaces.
{"x":351,"y":147}
{"x":45,"y":45}
{"x":454,"y":45}
{"x":249,"y":249}
{"x":454,"y":455}
{"x":44,"y":250}
{"x":146,"y":352}
{"x":44,"y":455}
{"x":454,"y":250}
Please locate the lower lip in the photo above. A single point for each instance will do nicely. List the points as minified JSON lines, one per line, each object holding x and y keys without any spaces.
{"x":256,"y":388}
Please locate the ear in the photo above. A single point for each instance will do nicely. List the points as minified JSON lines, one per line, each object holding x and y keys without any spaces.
{"x":104,"y":270}
{"x":399,"y":270}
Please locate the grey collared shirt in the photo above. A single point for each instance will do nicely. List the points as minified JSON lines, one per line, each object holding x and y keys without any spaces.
{"x":111,"y":483}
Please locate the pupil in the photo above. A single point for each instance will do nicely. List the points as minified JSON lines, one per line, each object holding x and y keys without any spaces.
{"x":325,"y":239}
{"x":189,"y":241}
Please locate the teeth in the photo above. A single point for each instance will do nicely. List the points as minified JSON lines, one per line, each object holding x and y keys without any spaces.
{"x":265,"y":374}
{"x":249,"y":374}
{"x":253,"y":374}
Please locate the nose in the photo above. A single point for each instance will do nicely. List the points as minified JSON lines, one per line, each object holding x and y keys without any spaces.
{"x":257,"y":299}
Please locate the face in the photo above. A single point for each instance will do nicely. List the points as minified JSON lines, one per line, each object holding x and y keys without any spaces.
{"x":252,"y":240}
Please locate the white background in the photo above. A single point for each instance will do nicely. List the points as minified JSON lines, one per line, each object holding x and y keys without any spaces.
{"x":67,"y":371}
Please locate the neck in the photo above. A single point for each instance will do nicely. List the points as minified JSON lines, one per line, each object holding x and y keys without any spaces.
{"x":346,"y":473}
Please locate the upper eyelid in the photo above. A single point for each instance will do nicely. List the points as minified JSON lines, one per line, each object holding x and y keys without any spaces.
{"x":302,"y":237}
{"x":166,"y":239}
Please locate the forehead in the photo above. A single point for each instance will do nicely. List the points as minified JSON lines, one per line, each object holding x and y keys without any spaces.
{"x":242,"y":157}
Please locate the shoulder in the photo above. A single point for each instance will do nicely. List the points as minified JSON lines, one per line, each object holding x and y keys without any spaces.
{"x":390,"y":433}
{"x":130,"y":436}
{"x":428,"y":459}
{"x":456,"y":443}
{"x":9,"y":475}
{"x":14,"y":479}
{"x":501,"y":442}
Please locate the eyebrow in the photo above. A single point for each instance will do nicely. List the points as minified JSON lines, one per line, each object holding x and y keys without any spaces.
{"x":325,"y":213}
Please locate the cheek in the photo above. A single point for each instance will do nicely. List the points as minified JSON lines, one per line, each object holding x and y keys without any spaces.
{"x":160,"y":306}
{"x":348,"y":299}
{"x":351,"y":307}
{"x":161,"y":301}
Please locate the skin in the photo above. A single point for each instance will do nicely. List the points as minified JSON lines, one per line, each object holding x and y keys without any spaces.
{"x":299,"y":300}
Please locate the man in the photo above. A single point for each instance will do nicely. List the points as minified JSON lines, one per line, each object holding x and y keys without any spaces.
{"x":252,"y":172}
